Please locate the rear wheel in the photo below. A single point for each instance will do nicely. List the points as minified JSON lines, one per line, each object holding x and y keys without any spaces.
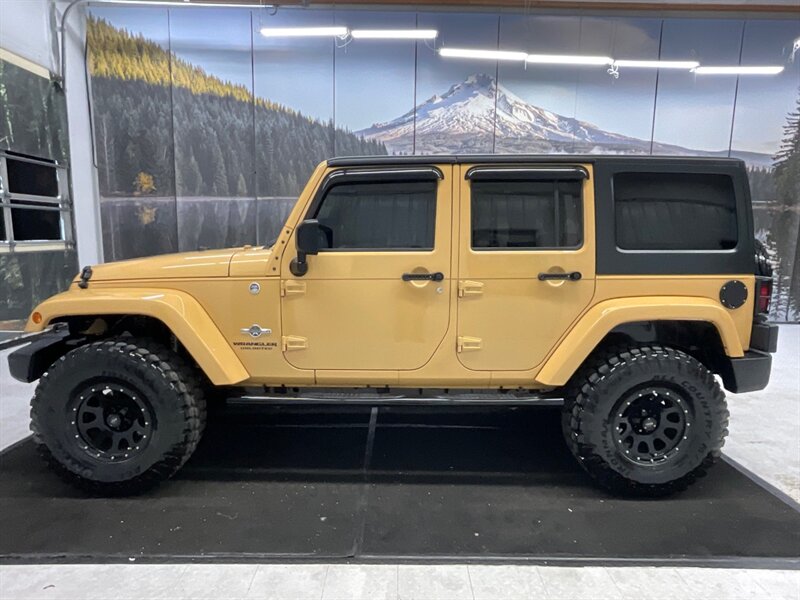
{"x":118,"y":416}
{"x":645,"y":420}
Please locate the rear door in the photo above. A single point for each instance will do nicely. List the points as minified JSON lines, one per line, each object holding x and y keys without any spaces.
{"x":378,"y":297}
{"x":526,"y":261}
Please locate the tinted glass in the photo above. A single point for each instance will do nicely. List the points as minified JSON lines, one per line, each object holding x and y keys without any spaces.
{"x":380,"y":216}
{"x":526,"y":214}
{"x":36,"y":225}
{"x":31,"y":178}
{"x":2,"y":224}
{"x":674,"y":211}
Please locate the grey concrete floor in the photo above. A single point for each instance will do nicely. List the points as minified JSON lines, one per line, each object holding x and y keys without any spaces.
{"x":378,"y":582}
{"x":765,"y":426}
{"x":764,"y":438}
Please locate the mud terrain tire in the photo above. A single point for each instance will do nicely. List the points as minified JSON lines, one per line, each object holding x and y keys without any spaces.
{"x":118,"y":416}
{"x":646,"y":420}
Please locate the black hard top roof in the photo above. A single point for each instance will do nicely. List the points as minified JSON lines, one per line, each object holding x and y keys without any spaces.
{"x":372,"y":161}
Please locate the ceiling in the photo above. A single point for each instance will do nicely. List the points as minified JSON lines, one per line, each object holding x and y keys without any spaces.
{"x":749,"y":6}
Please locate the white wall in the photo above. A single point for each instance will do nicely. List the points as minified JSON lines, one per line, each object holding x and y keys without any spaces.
{"x":27,"y":29}
{"x":85,"y":195}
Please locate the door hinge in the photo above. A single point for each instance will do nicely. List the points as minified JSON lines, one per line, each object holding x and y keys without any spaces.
{"x":470,"y":288}
{"x":464,"y":343}
{"x":293,"y":342}
{"x":290,"y":287}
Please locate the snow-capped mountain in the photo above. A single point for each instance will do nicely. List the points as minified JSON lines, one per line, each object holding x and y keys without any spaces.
{"x":462,"y":121}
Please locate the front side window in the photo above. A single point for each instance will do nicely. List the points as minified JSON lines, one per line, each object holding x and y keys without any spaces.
{"x":381,"y":216}
{"x":674,"y":211}
{"x":526,"y":215}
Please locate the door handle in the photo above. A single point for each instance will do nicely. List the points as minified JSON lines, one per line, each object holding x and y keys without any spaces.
{"x":573,"y":276}
{"x":438,"y":276}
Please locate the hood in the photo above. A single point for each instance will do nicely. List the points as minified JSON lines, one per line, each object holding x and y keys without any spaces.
{"x":208,"y":263}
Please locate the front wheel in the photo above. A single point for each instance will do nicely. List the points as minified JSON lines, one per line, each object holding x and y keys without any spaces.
{"x":119,"y":415}
{"x":645,"y":421}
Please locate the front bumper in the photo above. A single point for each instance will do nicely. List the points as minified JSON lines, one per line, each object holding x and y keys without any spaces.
{"x":23,"y":338}
{"x":30,"y":362}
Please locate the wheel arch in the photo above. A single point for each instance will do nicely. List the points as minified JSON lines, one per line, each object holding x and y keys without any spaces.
{"x":176,"y":311}
{"x":667,"y":320}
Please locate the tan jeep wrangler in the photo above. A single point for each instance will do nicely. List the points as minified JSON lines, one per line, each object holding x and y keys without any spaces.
{"x":620,"y":284}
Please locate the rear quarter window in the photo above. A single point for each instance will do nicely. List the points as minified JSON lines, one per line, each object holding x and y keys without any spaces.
{"x":674,"y":211}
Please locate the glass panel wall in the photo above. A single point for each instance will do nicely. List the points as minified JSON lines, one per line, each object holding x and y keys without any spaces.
{"x":131,"y":90}
{"x":212,"y":91}
{"x":293,"y":82}
{"x":197,"y":103}
{"x":694,"y":112}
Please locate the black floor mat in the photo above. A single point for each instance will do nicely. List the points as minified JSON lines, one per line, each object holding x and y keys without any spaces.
{"x":436,"y":483}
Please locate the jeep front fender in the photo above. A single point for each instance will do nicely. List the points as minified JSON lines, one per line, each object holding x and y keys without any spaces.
{"x":179,"y":311}
{"x":593,"y":326}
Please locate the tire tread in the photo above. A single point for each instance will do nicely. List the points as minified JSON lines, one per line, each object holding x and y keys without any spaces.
{"x":191,"y":401}
{"x":581,"y":396}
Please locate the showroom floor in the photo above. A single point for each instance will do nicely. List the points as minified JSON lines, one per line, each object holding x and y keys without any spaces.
{"x":765,"y":442}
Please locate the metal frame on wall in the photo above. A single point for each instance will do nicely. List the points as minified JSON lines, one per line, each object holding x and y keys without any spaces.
{"x":38,"y":256}
{"x":11,"y":202}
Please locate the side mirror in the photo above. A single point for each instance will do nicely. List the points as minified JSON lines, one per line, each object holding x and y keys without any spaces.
{"x":309,"y":238}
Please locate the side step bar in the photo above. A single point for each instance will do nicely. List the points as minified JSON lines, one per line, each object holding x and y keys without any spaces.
{"x":417,"y":397}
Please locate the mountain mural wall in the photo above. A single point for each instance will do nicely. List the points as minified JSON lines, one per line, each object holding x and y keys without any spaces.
{"x":477,"y":107}
{"x":187,"y":160}
{"x":164,"y":126}
{"x":200,"y":140}
{"x":461,"y":119}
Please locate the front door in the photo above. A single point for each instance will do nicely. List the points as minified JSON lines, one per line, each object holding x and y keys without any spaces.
{"x":377,"y":297}
{"x":526,"y":261}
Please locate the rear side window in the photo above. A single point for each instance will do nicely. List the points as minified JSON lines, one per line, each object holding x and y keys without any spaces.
{"x":674,"y":211}
{"x":530,"y":215}
{"x":380,"y":215}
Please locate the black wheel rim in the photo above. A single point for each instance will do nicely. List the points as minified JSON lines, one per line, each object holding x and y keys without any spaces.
{"x":111,"y":421}
{"x":651,"y":425}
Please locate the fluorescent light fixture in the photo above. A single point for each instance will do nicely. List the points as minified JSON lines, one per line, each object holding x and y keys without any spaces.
{"x":488,"y":54}
{"x":658,"y":64}
{"x":738,"y":70}
{"x":566,"y":59}
{"x":304,"y":31}
{"x":394,"y":34}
